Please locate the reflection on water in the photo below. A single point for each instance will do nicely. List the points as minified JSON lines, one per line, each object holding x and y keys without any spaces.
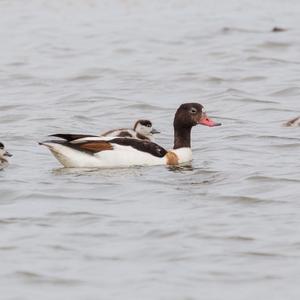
{"x":181,"y":168}
{"x":226,"y":222}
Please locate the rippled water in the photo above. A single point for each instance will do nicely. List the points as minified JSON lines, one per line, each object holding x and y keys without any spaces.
{"x":226,"y":227}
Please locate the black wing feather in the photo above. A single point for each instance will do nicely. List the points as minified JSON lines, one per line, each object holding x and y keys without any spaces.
{"x":144,"y":146}
{"x":72,"y":137}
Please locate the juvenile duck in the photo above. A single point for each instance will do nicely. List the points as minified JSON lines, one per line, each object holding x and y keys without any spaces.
{"x":142,"y":130}
{"x":3,"y":156}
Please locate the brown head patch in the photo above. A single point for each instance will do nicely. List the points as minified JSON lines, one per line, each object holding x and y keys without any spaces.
{"x":172,"y":158}
{"x":145,"y":123}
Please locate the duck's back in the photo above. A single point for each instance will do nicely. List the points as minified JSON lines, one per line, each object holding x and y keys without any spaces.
{"x":122,"y":132}
{"x":127,"y":133}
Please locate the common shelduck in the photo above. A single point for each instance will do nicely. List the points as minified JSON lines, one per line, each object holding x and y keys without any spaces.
{"x":142,"y":130}
{"x":86,"y":151}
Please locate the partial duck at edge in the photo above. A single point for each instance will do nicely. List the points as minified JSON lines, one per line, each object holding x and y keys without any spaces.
{"x":295,"y":122}
{"x":3,"y":156}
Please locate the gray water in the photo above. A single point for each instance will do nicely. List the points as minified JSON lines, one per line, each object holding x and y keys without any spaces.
{"x":226,"y":227}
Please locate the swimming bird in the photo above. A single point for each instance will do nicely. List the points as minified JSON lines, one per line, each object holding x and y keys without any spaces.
{"x":142,"y":130}
{"x":3,"y":156}
{"x":87,"y":151}
{"x":293,"y":122}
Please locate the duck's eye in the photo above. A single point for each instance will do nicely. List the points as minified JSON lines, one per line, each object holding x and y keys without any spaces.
{"x":193,"y":110}
{"x":148,"y":125}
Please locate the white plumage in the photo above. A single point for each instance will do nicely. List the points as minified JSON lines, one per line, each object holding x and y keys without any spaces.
{"x":120,"y":156}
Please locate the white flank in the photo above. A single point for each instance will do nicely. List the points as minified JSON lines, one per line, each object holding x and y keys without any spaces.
{"x":125,"y":156}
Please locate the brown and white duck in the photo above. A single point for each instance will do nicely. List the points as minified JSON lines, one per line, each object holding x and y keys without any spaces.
{"x":142,"y":130}
{"x":87,"y":151}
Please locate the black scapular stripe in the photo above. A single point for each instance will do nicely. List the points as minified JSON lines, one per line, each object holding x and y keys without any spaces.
{"x":72,"y":137}
{"x":144,"y":146}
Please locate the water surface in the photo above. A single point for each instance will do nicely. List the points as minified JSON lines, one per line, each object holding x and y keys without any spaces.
{"x":226,"y":227}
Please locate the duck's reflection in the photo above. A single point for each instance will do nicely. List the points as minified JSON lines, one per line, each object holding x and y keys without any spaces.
{"x":181,"y":168}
